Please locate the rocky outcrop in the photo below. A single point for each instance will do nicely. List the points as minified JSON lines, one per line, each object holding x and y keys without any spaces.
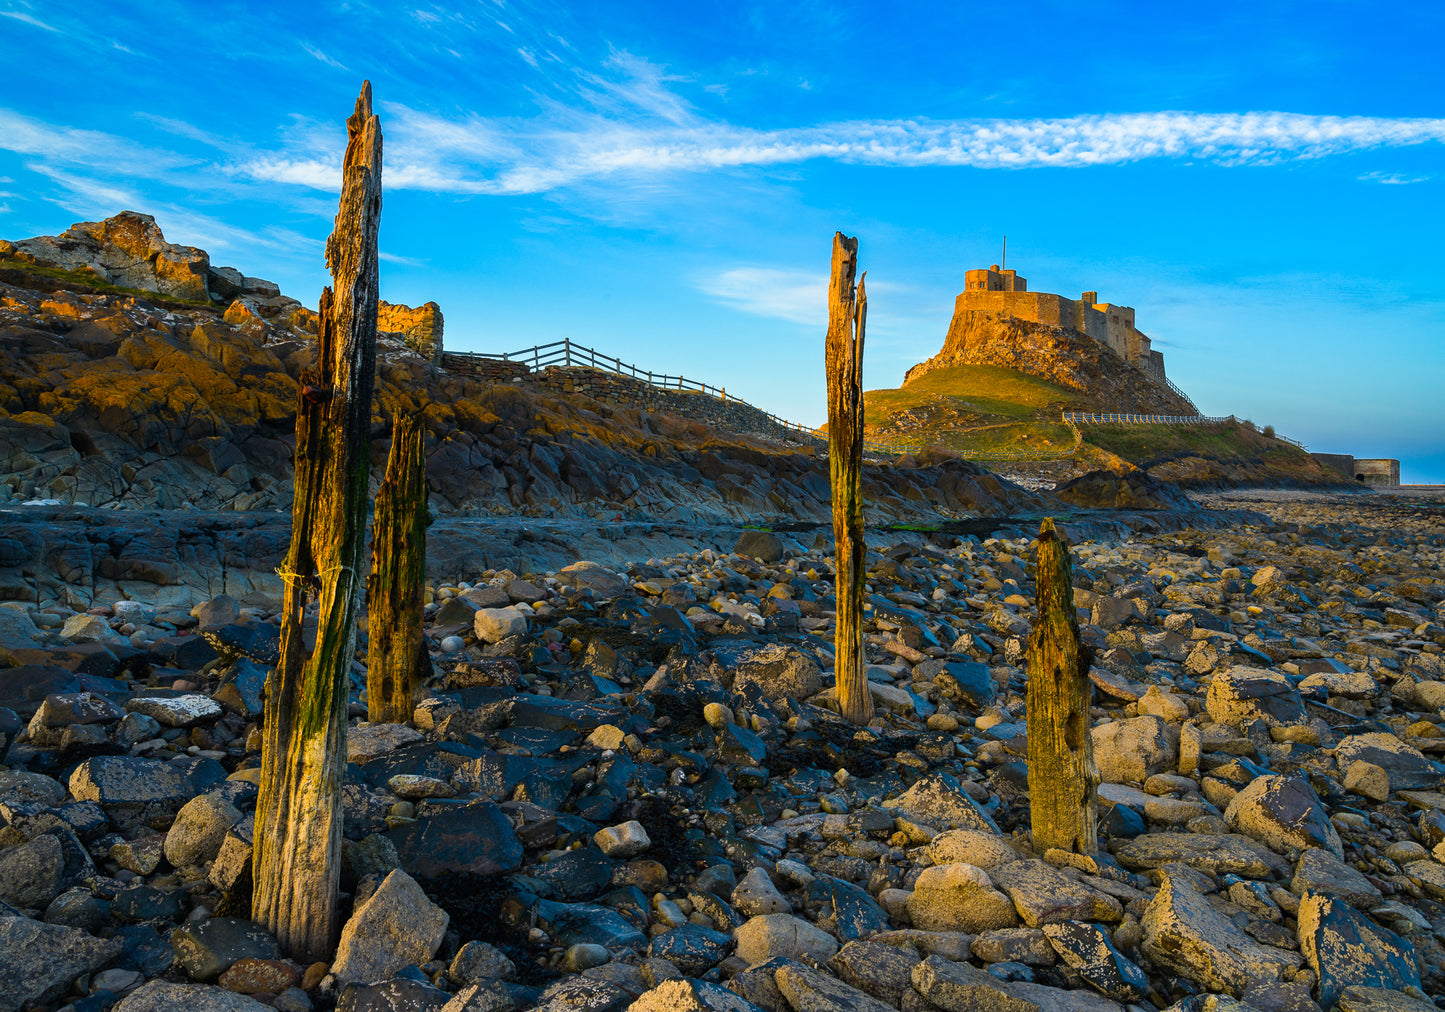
{"x":420,"y":329}
{"x":1057,"y":354}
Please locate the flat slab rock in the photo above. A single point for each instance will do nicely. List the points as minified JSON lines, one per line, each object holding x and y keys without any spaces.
{"x":1184,"y":933}
{"x":1216,"y":854}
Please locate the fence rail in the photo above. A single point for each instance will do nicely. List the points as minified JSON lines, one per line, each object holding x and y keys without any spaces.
{"x":568,"y":354}
{"x":1103,"y":418}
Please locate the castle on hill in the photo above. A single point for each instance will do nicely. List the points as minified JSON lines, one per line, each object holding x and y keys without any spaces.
{"x":1001,"y":293}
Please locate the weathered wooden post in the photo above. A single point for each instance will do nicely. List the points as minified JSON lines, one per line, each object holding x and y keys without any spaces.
{"x":1062,"y":777}
{"x":298,"y":813}
{"x":397,"y":662}
{"x":847,"y":314}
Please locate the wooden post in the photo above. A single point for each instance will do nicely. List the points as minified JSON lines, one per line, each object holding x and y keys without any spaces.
{"x":303,"y":751}
{"x":847,"y":313}
{"x":1062,"y":777}
{"x":397,"y":662}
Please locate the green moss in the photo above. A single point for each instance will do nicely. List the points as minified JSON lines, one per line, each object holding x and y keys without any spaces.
{"x":89,"y":283}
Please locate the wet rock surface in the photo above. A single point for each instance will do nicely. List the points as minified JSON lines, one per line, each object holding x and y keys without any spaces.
{"x":641,"y":791}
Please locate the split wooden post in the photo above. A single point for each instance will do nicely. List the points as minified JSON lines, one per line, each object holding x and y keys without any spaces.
{"x":397,"y":662}
{"x":847,"y":314}
{"x":1062,"y":776}
{"x":303,"y":752}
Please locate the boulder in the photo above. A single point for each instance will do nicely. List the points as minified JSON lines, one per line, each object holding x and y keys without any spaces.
{"x":32,"y":873}
{"x":1283,"y":812}
{"x":960,"y":987}
{"x":691,"y":996}
{"x":396,"y":927}
{"x":199,"y":830}
{"x":1320,"y":871}
{"x":1133,"y":749}
{"x":164,"y":996}
{"x":1185,"y":934}
{"x":1091,"y":954}
{"x":767,"y":935}
{"x":938,"y":800}
{"x":1406,"y":766}
{"x":807,"y":988}
{"x":1343,"y":947}
{"x":763,"y":545}
{"x":1239,"y":695}
{"x":778,"y":670}
{"x":207,"y":949}
{"x":959,"y":897}
{"x":970,"y":846}
{"x":1044,"y":895}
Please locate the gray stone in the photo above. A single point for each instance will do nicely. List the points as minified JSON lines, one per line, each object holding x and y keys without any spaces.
{"x":32,"y":873}
{"x":884,"y":971}
{"x":1232,"y":853}
{"x":127,"y":780}
{"x":30,"y":788}
{"x":479,"y":961}
{"x":1379,"y":999}
{"x":399,"y":994}
{"x":587,"y":575}
{"x":42,"y":960}
{"x":768,"y":935}
{"x":938,"y":799}
{"x":205,"y":950}
{"x":684,"y":995}
{"x":396,"y":927}
{"x":1239,"y":695}
{"x":176,"y":711}
{"x":1014,"y":945}
{"x":756,"y":894}
{"x":1283,"y":812}
{"x":495,"y":624}
{"x":62,"y":708}
{"x":1133,"y":749}
{"x":960,"y":987}
{"x":970,"y":846}
{"x":959,"y":897}
{"x":624,"y":840}
{"x":809,"y":990}
{"x":1319,"y":871}
{"x":778,"y":670}
{"x":1185,"y":934}
{"x":1407,"y":766}
{"x":1344,"y":947}
{"x":763,"y":545}
{"x":1044,"y":895}
{"x":580,"y":994}
{"x":483,"y":997}
{"x":163,"y":996}
{"x":199,"y":830}
{"x":1088,"y":950}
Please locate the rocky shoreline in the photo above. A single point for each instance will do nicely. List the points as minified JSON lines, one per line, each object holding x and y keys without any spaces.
{"x":627,"y":787}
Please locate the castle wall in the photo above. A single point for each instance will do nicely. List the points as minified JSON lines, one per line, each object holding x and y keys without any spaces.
{"x":1110,"y":325}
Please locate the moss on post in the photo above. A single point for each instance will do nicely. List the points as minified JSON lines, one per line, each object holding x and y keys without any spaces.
{"x":397,"y":662}
{"x":1062,"y":776}
{"x":847,"y":314}
{"x":298,"y":813}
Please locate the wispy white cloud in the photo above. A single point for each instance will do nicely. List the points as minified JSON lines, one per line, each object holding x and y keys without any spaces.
{"x":631,"y":122}
{"x":395,"y":258}
{"x":776,"y":293}
{"x":28,"y":19}
{"x":4,"y":208}
{"x":1392,"y":178}
{"x":323,"y":56}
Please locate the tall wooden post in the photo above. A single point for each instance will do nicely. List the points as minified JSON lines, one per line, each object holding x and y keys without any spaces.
{"x":847,"y":315}
{"x":303,"y":751}
{"x":1062,"y":777}
{"x":397,"y":662}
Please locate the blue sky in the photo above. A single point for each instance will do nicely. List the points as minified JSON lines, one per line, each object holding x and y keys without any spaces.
{"x":1261,"y":181}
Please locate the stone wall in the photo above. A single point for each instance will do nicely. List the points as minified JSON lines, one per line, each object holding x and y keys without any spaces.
{"x":420,"y":327}
{"x":488,"y":370}
{"x":1377,"y":471}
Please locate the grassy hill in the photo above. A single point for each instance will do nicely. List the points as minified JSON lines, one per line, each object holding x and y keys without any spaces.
{"x":972,"y":409}
{"x":993,"y":413}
